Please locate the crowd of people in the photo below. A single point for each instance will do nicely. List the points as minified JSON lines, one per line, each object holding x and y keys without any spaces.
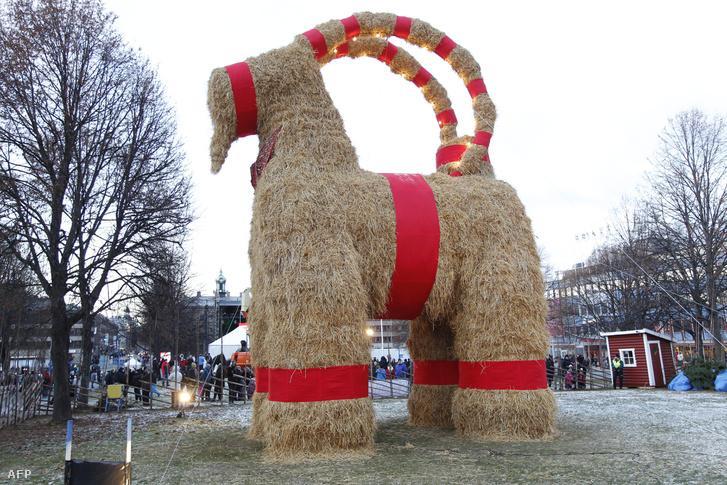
{"x":16,"y":377}
{"x":204,"y":377}
{"x":568,"y":372}
{"x":383,"y":368}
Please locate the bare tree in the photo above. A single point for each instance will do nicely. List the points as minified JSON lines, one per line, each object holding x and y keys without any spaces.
{"x":688,"y":211}
{"x":617,"y":286}
{"x":91,"y":173}
{"x":16,"y":293}
{"x":164,"y":304}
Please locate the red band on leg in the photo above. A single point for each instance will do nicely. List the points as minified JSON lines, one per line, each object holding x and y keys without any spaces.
{"x":450,"y":153}
{"x":387,"y":55}
{"x":445,"y":47}
{"x":402,"y":27}
{"x":421,"y":78}
{"x":351,"y":27}
{"x":317,"y":43}
{"x":319,"y":383}
{"x":476,"y":87}
{"x":518,"y":375}
{"x":243,"y":93}
{"x":447,"y":117}
{"x":436,"y":372}
{"x":262,"y":379}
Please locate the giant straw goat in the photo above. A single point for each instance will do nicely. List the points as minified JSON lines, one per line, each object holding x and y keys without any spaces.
{"x":333,"y":245}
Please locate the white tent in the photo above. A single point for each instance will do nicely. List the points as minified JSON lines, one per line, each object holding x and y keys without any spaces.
{"x":229,"y":343}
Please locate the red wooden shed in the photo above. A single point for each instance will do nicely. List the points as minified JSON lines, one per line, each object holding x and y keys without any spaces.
{"x":648,"y":356}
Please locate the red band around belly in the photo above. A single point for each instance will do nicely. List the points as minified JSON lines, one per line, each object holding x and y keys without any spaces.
{"x":519,"y":375}
{"x":262,"y":379}
{"x":436,"y":372}
{"x":318,"y":383}
{"x":417,"y":246}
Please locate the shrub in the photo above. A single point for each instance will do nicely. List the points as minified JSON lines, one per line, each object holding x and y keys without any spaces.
{"x":701,"y":372}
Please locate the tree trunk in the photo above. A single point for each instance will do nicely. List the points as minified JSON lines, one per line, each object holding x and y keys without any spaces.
{"x":87,"y":351}
{"x":716,"y":328}
{"x":698,"y":341}
{"x":5,"y":343}
{"x":59,"y":354}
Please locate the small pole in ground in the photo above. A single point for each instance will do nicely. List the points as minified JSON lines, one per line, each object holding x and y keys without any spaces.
{"x":69,"y":438}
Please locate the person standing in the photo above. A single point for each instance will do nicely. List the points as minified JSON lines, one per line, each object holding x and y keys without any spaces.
{"x":549,"y":370}
{"x":618,"y":372}
{"x":165,"y":372}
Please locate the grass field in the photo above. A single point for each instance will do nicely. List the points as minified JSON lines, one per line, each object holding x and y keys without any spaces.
{"x":630,"y":436}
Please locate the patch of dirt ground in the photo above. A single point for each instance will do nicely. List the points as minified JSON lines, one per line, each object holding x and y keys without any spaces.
{"x":629,"y":436}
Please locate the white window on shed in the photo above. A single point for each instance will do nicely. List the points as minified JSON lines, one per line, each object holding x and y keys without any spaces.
{"x":628,"y":356}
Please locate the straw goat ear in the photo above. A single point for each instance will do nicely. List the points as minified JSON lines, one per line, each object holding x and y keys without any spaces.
{"x":221,"y":106}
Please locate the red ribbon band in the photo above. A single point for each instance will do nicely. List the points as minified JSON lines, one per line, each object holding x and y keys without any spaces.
{"x":445,"y":47}
{"x":482,"y":138}
{"x":421,"y":78}
{"x":262,"y":379}
{"x":317,"y":43}
{"x":342,"y":50}
{"x":518,"y":375}
{"x":450,"y":153}
{"x":351,"y":27}
{"x":436,"y":372}
{"x":417,"y":246}
{"x":319,"y":383}
{"x":447,"y":117}
{"x":402,"y":27}
{"x":476,"y":87}
{"x":387,"y":55}
{"x":243,"y":94}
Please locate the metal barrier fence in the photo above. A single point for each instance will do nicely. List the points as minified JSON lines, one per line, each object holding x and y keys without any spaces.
{"x":594,"y":378}
{"x":18,"y":403}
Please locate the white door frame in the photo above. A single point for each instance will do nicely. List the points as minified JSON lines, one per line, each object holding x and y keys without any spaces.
{"x":649,"y":364}
{"x":661,"y":358}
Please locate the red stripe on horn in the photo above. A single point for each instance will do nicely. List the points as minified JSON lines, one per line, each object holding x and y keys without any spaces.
{"x":319,"y":383}
{"x":351,"y":27}
{"x":518,"y":375}
{"x":421,"y":78}
{"x":262,"y":379}
{"x":402,"y":27}
{"x":482,"y":138}
{"x":387,"y":55}
{"x":417,"y":246}
{"x":243,"y":94}
{"x":436,"y":372}
{"x":342,"y":50}
{"x":317,"y":43}
{"x":445,"y":47}
{"x":450,"y":153}
{"x":447,"y":117}
{"x":476,"y":87}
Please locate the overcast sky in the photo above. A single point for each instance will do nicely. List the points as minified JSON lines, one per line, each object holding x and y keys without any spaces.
{"x":582,"y":92}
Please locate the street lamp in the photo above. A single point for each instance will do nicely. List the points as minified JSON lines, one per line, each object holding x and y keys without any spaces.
{"x":370,"y":332}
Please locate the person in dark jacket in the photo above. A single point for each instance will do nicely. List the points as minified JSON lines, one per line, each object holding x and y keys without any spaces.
{"x":618,"y":372}
{"x":219,"y":382}
{"x":549,"y":370}
{"x":235,"y":383}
